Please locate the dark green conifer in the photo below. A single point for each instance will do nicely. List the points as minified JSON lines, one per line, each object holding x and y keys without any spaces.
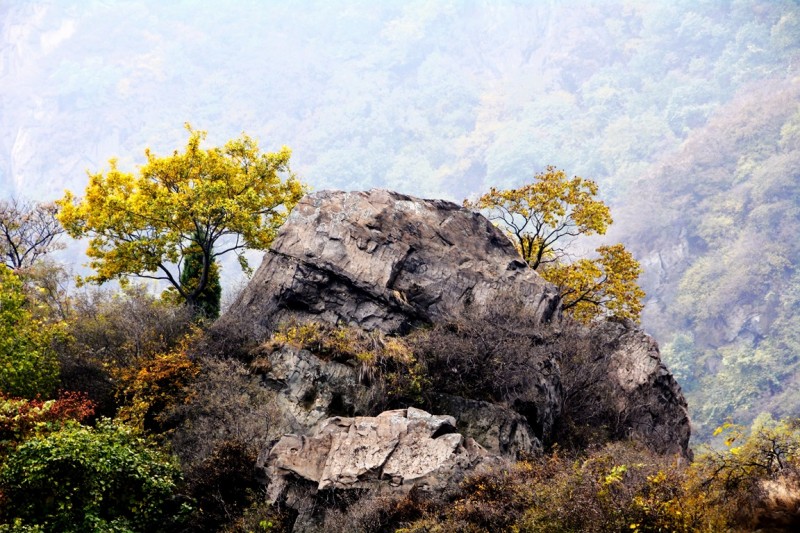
{"x":206,"y":304}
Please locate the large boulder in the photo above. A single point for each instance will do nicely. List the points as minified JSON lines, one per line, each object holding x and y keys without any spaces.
{"x":391,"y":453}
{"x":383,"y":260}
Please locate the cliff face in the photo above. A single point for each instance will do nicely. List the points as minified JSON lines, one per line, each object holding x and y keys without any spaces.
{"x":383,"y":261}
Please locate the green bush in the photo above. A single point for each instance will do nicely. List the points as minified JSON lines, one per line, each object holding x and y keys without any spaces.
{"x":79,"y":479}
{"x":28,"y":363}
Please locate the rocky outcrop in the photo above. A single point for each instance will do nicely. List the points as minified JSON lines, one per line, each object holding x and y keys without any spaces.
{"x":403,"y":447}
{"x":310,"y":389}
{"x":644,"y":393}
{"x":498,"y":429}
{"x":383,"y":260}
{"x":390,"y":453}
{"x":386,"y":261}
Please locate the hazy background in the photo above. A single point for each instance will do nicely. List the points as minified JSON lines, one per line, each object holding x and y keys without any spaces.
{"x":686,"y":112}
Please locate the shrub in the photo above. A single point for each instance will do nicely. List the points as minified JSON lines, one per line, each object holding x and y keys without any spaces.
{"x":223,"y":485}
{"x":493,"y":354}
{"x":620,"y":487}
{"x":93,"y":379}
{"x":21,"y":418}
{"x":225,"y":403}
{"x":151,"y":389}
{"x":120,"y":328}
{"x":262,"y":517}
{"x":342,"y":343}
{"x":588,"y":415}
{"x":28,"y":363}
{"x":379,"y":513}
{"x":108,"y":332}
{"x":78,"y":479}
{"x":755,"y":477}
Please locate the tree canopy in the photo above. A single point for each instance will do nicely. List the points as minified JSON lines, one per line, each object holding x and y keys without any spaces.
{"x":543,"y":218}
{"x":201,"y":203}
{"x":544,"y":215}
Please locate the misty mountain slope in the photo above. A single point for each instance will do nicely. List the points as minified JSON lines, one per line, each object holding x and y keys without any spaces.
{"x":716,"y":225}
{"x":439,"y":99}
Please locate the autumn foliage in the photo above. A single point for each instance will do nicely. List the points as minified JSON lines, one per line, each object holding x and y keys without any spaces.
{"x":543,"y":218}
{"x":202,"y":202}
{"x":152,"y":387}
{"x":21,"y":418}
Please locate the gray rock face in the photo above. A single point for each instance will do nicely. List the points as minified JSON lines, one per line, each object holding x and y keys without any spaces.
{"x":310,"y":389}
{"x":498,"y":429}
{"x":383,"y":260}
{"x":644,"y":392}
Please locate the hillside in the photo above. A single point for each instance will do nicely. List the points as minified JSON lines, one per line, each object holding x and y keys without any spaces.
{"x":715,"y":225}
{"x":438,"y":100}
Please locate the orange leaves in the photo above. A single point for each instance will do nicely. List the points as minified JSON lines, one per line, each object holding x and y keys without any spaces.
{"x":153,"y":386}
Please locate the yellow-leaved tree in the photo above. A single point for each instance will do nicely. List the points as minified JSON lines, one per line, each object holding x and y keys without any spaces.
{"x":180,"y":212}
{"x":543,"y":218}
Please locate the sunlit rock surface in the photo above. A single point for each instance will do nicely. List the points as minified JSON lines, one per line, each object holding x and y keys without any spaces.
{"x":383,"y":260}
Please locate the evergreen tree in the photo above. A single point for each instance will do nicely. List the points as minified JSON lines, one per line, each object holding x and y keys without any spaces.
{"x":206,"y":303}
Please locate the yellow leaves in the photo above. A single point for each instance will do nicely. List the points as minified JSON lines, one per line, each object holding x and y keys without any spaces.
{"x":542,"y":218}
{"x":605,"y":285}
{"x":615,"y":475}
{"x":141,"y":224}
{"x":342,"y":342}
{"x":657,"y":478}
{"x":552,"y":207}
